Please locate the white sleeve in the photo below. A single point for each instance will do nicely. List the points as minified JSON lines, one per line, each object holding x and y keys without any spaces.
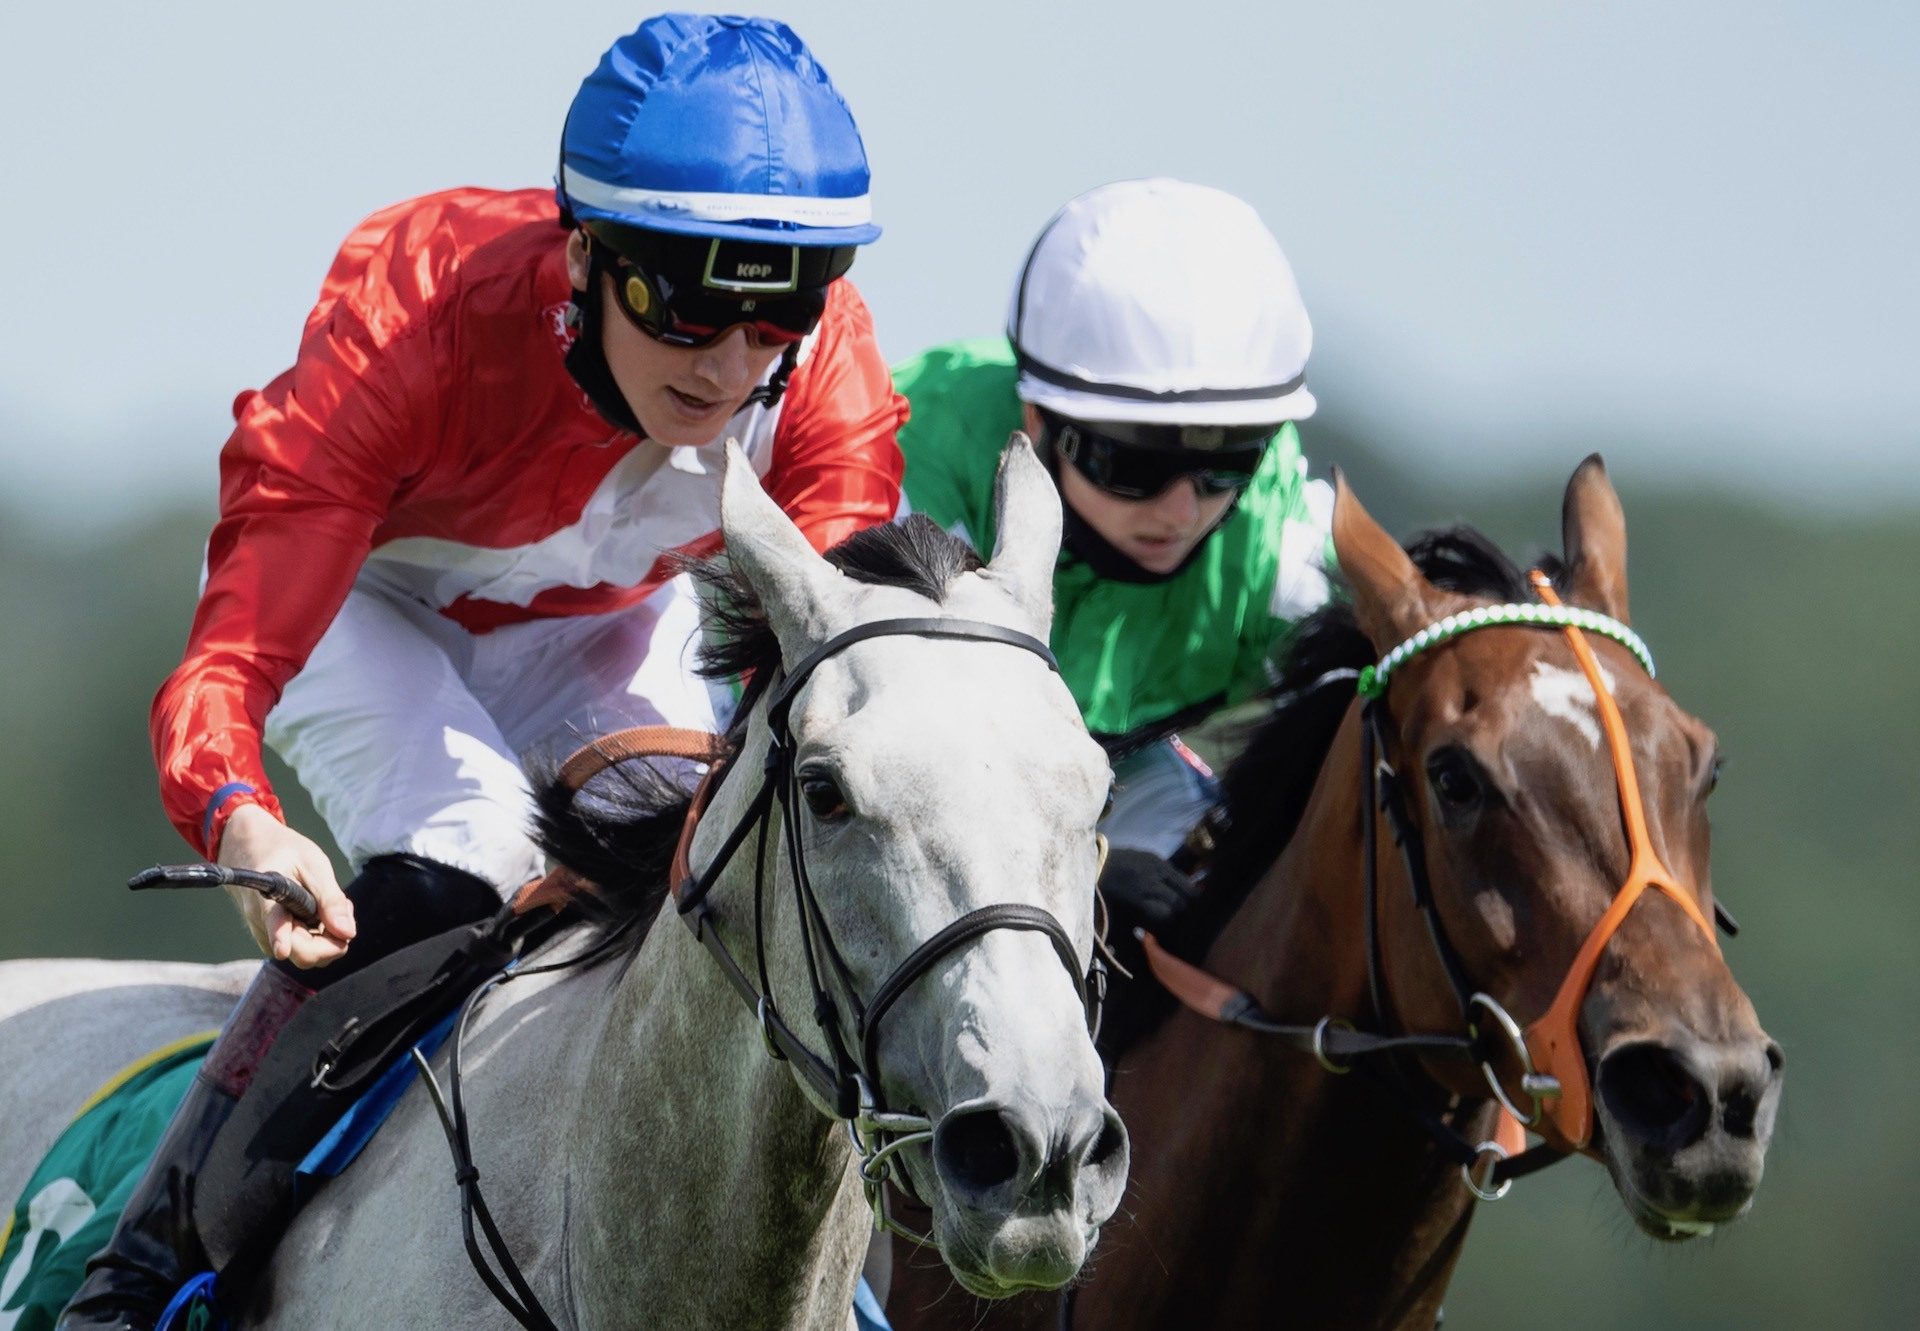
{"x":1300,"y":586}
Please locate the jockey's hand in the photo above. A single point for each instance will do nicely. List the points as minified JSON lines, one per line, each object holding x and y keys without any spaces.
{"x":255,"y":839}
{"x":1143,"y":889}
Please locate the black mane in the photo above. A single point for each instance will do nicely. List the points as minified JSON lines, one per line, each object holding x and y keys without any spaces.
{"x":1266,"y":787}
{"x":619,"y":832}
{"x":916,"y":555}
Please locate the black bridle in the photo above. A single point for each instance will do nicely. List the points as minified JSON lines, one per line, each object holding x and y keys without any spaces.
{"x":842,"y":1082}
{"x":1485,"y":1165}
{"x":840,"y":1079}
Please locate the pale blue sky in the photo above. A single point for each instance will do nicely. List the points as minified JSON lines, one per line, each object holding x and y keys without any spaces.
{"x":1682,"y":233}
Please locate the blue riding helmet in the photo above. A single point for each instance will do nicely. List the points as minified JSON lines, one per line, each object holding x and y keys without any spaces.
{"x":716,"y":126}
{"x":720,"y":180}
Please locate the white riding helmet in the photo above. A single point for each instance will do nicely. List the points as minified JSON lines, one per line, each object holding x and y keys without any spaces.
{"x":1157,"y":301}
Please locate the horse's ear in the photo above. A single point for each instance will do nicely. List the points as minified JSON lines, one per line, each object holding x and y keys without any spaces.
{"x":799,"y":589}
{"x":1391,"y":599}
{"x":1593,"y":532}
{"x":1026,"y":518}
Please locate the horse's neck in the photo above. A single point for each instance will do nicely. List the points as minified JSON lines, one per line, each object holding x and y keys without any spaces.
{"x":1280,"y":1191}
{"x":705,"y":1189}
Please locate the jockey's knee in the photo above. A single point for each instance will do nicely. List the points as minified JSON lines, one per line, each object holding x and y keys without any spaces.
{"x":400,"y":900}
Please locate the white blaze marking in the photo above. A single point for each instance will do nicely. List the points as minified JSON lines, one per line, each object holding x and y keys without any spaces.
{"x":1567,"y":694}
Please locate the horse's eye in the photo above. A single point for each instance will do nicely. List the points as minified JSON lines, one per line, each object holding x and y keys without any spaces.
{"x":1713,"y":774}
{"x":1455,"y":783}
{"x":823,"y":797}
{"x":1107,"y":808}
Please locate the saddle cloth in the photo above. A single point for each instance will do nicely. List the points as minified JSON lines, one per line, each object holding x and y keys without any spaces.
{"x":71,"y":1204}
{"x":72,"y":1201}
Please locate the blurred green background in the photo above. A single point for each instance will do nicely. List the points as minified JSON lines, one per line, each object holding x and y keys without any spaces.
{"x":1795,"y":638}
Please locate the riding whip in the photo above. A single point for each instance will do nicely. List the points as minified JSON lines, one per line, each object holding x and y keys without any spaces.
{"x":300,"y":903}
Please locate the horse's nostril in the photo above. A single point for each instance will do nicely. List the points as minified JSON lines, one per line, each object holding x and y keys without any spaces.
{"x":1111,"y":1142}
{"x":1741,"y":1110}
{"x":1744,"y":1091}
{"x":1653,"y":1097}
{"x":977,"y":1151}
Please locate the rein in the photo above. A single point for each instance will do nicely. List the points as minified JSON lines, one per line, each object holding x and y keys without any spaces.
{"x":450,"y":1106}
{"x":840,"y":1080}
{"x":1553,"y":1080}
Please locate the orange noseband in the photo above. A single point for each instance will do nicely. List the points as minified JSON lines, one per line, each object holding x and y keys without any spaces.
{"x":1553,"y":1041}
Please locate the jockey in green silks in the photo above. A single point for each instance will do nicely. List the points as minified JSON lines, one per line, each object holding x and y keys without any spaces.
{"x":1155,"y":352}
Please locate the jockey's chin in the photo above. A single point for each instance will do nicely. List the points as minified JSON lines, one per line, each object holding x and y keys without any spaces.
{"x":1159,"y":533}
{"x":682,"y":396}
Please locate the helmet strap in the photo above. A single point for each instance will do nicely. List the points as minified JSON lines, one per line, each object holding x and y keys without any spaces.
{"x":770,"y":393}
{"x":587,"y":359}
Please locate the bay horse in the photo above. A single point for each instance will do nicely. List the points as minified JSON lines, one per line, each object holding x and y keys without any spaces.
{"x":912,"y":798}
{"x":1290,"y":1170}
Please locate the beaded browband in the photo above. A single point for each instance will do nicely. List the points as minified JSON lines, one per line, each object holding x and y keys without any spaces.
{"x":1373,"y":678}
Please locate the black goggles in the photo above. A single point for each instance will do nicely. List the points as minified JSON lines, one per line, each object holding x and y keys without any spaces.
{"x":687,"y":291}
{"x":1142,"y":461}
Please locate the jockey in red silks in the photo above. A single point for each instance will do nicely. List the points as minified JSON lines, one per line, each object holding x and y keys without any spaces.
{"x":446,"y":534}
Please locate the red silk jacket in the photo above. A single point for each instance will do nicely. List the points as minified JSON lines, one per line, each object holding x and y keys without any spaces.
{"x":430,"y":436}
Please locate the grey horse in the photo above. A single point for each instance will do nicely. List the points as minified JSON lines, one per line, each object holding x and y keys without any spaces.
{"x":648,"y":1163}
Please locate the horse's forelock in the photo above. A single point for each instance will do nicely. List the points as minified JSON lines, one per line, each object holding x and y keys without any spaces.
{"x":916,"y":555}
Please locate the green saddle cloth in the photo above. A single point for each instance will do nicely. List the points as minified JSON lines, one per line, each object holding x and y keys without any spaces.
{"x":74,"y":1199}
